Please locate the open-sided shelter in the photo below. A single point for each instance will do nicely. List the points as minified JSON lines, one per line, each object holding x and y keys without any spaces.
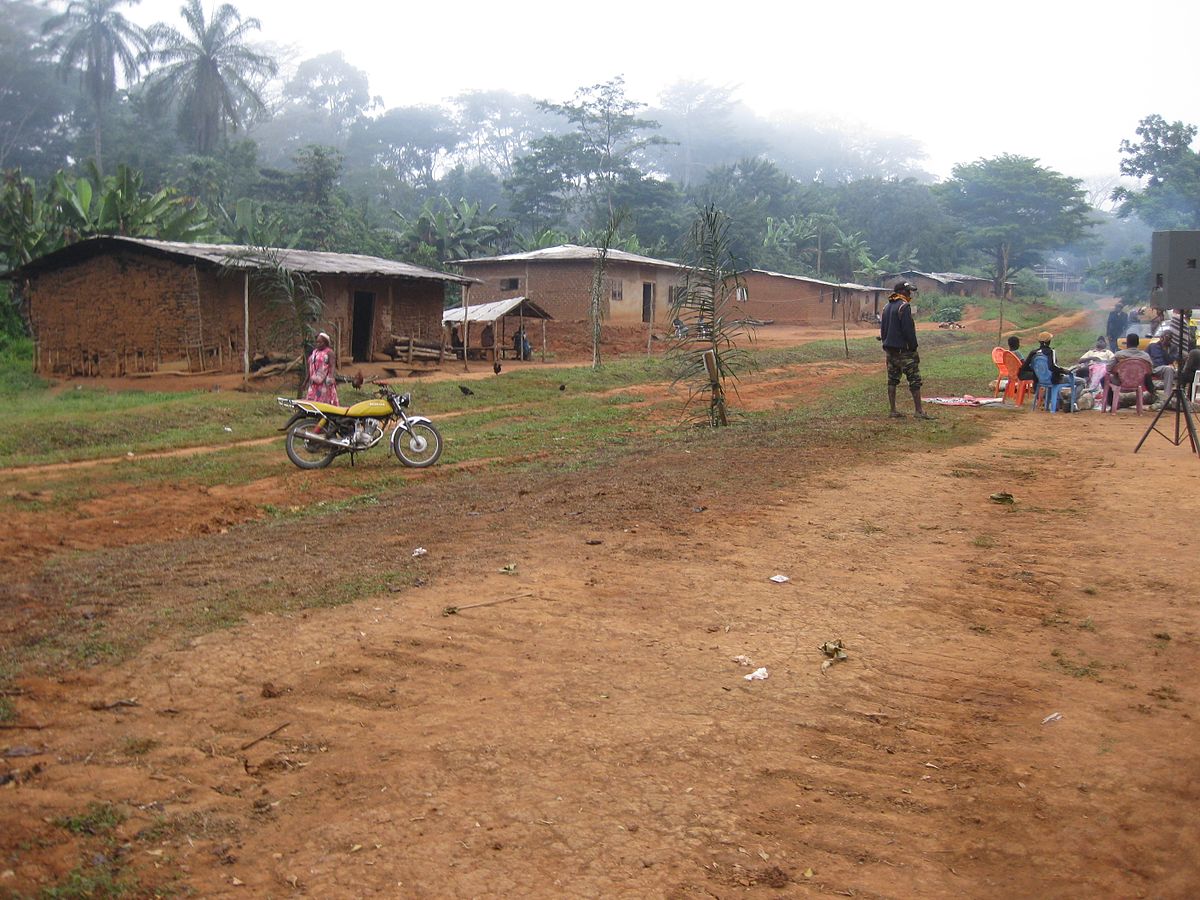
{"x":117,"y":305}
{"x":636,"y":288}
{"x":471,"y":320}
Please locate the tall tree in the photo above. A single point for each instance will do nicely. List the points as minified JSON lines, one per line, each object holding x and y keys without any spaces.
{"x":1169,"y":168}
{"x":1013,"y":210}
{"x":408,"y":141}
{"x":699,"y":119}
{"x":209,"y":73}
{"x":330,"y":84}
{"x":571,"y":179}
{"x":93,"y":39}
{"x":35,"y":106}
{"x":497,"y":125}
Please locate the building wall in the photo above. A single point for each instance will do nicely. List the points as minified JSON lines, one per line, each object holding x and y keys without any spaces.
{"x":122,"y":313}
{"x":564,"y":287}
{"x":792,"y":302}
{"x":402,"y":308}
{"x":115,"y":314}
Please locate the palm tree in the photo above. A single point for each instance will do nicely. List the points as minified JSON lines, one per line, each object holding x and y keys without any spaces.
{"x":208,"y":72}
{"x":92,"y":38}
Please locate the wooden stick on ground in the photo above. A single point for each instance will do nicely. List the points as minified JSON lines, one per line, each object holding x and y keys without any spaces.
{"x":454,"y":610}
{"x":271,"y":733}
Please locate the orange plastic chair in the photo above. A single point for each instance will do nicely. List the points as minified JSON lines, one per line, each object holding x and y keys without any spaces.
{"x":1008,"y":365}
{"x":1132,"y":374}
{"x":1001,"y":368}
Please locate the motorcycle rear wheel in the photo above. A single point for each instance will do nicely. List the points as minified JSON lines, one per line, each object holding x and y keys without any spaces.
{"x":307,"y":454}
{"x":418,"y":446}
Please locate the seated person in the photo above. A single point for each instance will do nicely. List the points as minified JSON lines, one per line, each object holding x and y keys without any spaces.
{"x":1132,"y":351}
{"x":487,"y":337}
{"x":456,"y":341}
{"x":521,"y":346}
{"x":1058,"y":374}
{"x":1014,"y":347}
{"x":1163,"y":356}
{"x":1093,"y":364}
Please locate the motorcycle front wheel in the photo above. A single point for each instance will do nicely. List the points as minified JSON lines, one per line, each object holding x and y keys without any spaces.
{"x":304,"y":453}
{"x":419,"y":445}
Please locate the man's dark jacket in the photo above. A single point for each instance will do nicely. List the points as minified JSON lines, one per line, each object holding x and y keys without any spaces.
{"x":896,"y":326}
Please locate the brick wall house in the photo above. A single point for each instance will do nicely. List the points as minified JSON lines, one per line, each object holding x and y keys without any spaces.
{"x":637,"y":289}
{"x":114,"y":306}
{"x":800,"y":300}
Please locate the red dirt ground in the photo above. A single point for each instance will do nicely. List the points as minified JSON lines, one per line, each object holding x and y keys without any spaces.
{"x":589,"y":733}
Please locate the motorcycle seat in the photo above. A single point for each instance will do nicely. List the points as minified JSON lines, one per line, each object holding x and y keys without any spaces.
{"x":327,"y":408}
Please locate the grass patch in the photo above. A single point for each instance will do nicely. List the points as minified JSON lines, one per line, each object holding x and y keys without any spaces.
{"x":97,"y":820}
{"x":984,"y":542}
{"x":92,"y":882}
{"x":1076,"y":669}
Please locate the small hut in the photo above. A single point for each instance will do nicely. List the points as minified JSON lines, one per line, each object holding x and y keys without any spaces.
{"x":483,"y":315}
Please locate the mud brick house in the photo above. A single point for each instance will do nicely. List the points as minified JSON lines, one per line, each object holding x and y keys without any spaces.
{"x":637,"y":289}
{"x":952,"y":284}
{"x":800,"y":300}
{"x":117,"y":306}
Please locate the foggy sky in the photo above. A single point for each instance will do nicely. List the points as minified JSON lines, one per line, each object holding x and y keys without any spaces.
{"x":1060,"y":81}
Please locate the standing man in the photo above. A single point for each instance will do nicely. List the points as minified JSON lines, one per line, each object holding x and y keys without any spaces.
{"x":898,"y":332}
{"x":1117,"y":325}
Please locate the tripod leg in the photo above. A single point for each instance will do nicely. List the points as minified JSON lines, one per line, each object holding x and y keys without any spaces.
{"x":1151,"y":428}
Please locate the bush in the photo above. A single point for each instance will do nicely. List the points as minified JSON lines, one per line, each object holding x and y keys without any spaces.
{"x":948,"y":313}
{"x":1029,"y":285}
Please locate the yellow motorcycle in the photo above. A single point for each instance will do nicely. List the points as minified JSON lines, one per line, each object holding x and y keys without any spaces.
{"x":319,"y":432}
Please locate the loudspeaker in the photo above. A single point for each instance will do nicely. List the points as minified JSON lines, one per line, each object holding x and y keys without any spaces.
{"x":1176,"y":278}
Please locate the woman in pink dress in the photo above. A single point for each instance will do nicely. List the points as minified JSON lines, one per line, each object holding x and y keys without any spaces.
{"x":322,"y":372}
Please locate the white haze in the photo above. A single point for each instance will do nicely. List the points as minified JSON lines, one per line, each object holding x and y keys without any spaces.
{"x":1063,"y":82}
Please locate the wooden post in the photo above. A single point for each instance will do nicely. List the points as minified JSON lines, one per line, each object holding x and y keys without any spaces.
{"x":543,"y":340}
{"x":845,"y":339}
{"x":466,"y":325}
{"x":246,"y":328}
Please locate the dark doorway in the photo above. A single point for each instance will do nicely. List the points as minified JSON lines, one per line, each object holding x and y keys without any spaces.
{"x":360,"y":331}
{"x":647,"y":301}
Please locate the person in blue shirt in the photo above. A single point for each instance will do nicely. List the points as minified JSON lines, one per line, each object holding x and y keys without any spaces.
{"x":898,"y":332}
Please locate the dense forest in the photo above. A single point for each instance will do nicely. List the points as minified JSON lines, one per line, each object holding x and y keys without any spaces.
{"x":189,"y":130}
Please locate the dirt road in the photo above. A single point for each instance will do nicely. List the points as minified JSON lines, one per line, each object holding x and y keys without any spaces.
{"x":1015,"y":718}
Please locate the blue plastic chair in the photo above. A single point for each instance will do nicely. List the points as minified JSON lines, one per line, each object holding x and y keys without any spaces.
{"x":1045,"y":382}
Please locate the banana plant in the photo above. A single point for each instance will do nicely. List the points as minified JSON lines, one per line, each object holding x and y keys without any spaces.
{"x":453,"y":231}
{"x":27,"y":227}
{"x":250,"y":224}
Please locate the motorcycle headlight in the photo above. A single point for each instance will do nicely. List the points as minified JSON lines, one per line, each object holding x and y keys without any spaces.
{"x":405,"y":399}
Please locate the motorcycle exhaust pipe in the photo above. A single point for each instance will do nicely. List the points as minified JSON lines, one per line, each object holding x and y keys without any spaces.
{"x":343,"y":443}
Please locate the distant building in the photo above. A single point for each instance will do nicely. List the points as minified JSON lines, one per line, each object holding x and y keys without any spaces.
{"x":117,"y":305}
{"x":1058,"y":279}
{"x":952,"y":284}
{"x":637,"y":289}
{"x":801,"y":300}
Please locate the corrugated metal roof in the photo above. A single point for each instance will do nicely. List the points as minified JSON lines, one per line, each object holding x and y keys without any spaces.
{"x":942,"y":278}
{"x":792,"y":277}
{"x":958,"y":276}
{"x":311,"y":262}
{"x":490,"y":312}
{"x":571,"y":252}
{"x":850,"y":285}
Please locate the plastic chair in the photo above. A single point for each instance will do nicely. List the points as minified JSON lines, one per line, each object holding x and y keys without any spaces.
{"x":1008,"y":368}
{"x":1045,"y":382}
{"x":1132,"y":374}
{"x":1001,"y":371}
{"x":1195,"y":387}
